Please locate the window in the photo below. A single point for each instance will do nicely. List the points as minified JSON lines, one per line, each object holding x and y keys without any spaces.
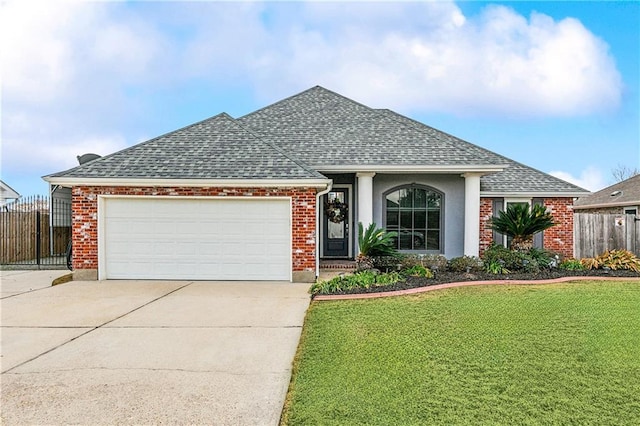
{"x":415,"y":213}
{"x":631,"y":210}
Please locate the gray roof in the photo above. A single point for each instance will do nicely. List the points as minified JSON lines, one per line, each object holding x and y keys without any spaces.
{"x":216,"y":148}
{"x":625,"y":193}
{"x":325,"y":129}
{"x":516,"y":177}
{"x":308,"y":133}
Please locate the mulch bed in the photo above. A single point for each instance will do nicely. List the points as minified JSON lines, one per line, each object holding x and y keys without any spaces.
{"x":450,"y":277}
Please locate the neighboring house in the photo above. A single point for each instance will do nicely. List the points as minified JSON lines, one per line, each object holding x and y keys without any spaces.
{"x":7,"y":194}
{"x":265,"y":196}
{"x":621,"y":198}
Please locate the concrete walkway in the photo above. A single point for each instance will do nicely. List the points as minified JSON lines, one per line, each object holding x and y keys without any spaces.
{"x":149,"y":352}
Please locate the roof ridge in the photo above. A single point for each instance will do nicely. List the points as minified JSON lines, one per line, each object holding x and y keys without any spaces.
{"x":316,"y":88}
{"x":280,"y":151}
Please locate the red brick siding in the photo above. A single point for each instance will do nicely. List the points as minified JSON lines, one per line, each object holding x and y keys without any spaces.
{"x":85,"y":217}
{"x":558,"y":238}
{"x":486,"y":234}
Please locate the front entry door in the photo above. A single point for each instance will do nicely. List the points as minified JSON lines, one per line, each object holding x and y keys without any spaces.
{"x":336,"y":223}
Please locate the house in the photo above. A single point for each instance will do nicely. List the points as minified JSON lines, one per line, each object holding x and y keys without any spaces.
{"x":267,"y":195}
{"x":620,"y":198}
{"x":7,"y":194}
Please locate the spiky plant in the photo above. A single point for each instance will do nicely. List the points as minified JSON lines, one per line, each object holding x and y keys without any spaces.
{"x":374,"y":242}
{"x":521,"y":223}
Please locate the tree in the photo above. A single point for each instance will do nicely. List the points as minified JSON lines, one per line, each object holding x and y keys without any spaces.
{"x":521,"y":223}
{"x":622,"y":172}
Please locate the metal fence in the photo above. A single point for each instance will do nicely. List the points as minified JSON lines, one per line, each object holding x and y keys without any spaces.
{"x":596,"y":233}
{"x":35,"y":232}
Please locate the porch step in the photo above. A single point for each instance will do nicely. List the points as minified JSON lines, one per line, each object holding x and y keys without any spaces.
{"x":338,"y":264}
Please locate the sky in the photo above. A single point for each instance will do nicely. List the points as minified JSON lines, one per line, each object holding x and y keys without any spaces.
{"x":554,"y":85}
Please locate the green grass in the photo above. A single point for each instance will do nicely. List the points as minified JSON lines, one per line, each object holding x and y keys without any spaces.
{"x":521,"y":355}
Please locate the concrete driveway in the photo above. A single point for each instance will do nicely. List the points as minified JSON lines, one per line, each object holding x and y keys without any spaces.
{"x":149,"y":352}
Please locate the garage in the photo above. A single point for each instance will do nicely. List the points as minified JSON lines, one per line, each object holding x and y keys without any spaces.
{"x":199,"y":238}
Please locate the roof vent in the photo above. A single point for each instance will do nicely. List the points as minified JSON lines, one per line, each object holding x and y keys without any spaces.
{"x":85,"y":158}
{"x":616,"y":193}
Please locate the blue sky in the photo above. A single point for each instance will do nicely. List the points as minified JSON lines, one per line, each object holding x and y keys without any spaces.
{"x":555,"y":85}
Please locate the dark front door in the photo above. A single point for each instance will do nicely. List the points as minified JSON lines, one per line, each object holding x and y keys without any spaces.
{"x":336,"y":223}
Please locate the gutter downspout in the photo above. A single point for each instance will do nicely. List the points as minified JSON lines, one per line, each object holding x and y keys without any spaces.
{"x":318,"y":236}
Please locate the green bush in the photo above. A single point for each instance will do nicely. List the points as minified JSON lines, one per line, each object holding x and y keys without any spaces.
{"x":545,"y":258}
{"x":513,"y":261}
{"x":496,"y":268}
{"x":435,"y":261}
{"x":386,"y":263}
{"x":417,"y":271}
{"x":571,"y":265}
{"x":376,"y":241}
{"x":364,"y":279}
{"x":465,"y":264}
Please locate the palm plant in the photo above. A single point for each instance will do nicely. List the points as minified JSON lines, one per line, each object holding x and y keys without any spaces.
{"x":521,"y":223}
{"x":374,"y":242}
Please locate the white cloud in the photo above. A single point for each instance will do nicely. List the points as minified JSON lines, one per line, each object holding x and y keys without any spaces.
{"x":66,"y":68}
{"x":81,"y":76}
{"x":430,"y":57}
{"x":590,"y":178}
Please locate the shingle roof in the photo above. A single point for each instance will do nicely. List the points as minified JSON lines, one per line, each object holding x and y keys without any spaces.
{"x":516,"y":177}
{"x":305,"y":134}
{"x":216,"y":148}
{"x":623,"y":193}
{"x":325,"y":129}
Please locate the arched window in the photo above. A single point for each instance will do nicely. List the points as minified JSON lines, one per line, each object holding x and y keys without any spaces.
{"x":415,"y":213}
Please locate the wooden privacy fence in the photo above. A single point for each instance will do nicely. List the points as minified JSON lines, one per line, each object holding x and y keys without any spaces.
{"x":596,"y":233}
{"x":31,"y":235}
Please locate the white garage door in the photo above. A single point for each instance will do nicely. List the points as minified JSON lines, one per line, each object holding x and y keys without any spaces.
{"x":195,"y":239}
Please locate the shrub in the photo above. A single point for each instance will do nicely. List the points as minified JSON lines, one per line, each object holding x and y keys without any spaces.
{"x":513,"y":261}
{"x":431,"y":261}
{"x":571,"y":265}
{"x":386,"y":263}
{"x":435,"y":262}
{"x":545,"y":258}
{"x":613,"y":259}
{"x":465,"y":264}
{"x":376,"y":241}
{"x":496,"y":268}
{"x":590,"y":263}
{"x":364,"y":279}
{"x":418,"y":271}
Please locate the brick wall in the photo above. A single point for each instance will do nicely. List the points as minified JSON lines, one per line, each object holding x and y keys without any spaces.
{"x":558,"y":238}
{"x":486,"y":234}
{"x":85,"y":218}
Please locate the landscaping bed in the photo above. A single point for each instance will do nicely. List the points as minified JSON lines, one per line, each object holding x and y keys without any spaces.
{"x":403,"y":272}
{"x":450,"y":277}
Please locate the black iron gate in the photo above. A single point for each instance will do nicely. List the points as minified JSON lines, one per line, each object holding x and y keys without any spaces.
{"x":35,"y":232}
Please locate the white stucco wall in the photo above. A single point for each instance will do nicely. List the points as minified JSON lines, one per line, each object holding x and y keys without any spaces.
{"x":452,"y":186}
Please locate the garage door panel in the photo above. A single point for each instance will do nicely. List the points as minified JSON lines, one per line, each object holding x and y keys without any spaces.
{"x":210,"y":239}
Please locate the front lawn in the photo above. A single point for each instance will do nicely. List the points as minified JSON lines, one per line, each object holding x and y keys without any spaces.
{"x":505,"y":355}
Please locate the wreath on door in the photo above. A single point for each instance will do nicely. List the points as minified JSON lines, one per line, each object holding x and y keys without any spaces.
{"x":336,"y":211}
